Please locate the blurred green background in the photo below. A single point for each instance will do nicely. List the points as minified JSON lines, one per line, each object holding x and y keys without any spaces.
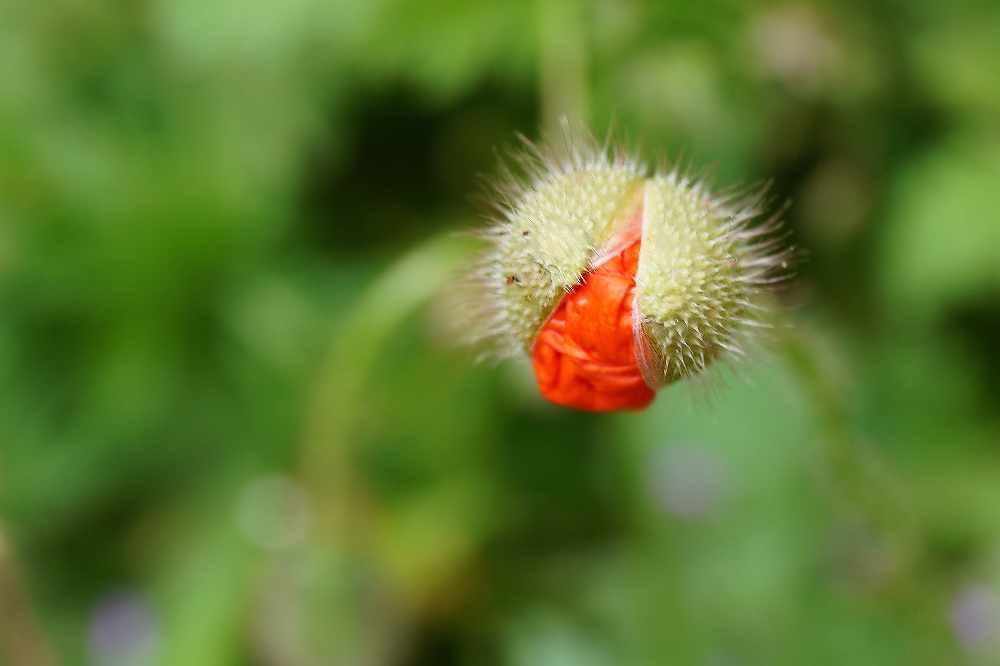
{"x":232,"y":431}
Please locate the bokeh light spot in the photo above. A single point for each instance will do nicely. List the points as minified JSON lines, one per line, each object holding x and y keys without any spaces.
{"x":689,"y":481}
{"x":273,"y":513}
{"x":975,"y":616}
{"x":123,"y":631}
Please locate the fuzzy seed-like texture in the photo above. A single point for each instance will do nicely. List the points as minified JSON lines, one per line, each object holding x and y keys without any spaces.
{"x":549,"y":241}
{"x":690,"y":296}
{"x":553,"y":283}
{"x":551,"y":222}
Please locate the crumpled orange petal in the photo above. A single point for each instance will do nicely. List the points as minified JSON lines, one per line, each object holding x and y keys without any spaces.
{"x":584,"y":356}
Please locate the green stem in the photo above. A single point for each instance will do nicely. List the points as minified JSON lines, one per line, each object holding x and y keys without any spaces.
{"x":562,"y":65}
{"x":338,"y":395}
{"x":863,"y":489}
{"x":861,"y":483}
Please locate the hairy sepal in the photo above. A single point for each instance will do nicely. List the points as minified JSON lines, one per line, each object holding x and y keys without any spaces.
{"x":705,"y":262}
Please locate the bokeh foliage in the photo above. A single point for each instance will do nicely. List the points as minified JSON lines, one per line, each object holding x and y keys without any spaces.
{"x":233,"y":432}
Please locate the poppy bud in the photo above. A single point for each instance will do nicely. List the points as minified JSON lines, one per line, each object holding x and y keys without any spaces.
{"x":614,"y":283}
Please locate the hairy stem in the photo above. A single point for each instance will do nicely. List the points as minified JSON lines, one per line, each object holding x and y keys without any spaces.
{"x":862,"y":486}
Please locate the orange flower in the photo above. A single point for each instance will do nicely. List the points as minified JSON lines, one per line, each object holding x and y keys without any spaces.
{"x":583,"y":356}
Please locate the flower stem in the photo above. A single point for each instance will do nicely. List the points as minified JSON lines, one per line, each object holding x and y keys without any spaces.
{"x":562,"y":66}
{"x":338,"y":395}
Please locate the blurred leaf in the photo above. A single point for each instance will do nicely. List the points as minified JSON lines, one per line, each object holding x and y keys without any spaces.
{"x":942,"y":240}
{"x":960,"y":64}
{"x":444,"y":46}
{"x":205,"y":588}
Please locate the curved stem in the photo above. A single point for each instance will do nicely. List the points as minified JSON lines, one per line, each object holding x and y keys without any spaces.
{"x":338,"y":395}
{"x":862,"y":485}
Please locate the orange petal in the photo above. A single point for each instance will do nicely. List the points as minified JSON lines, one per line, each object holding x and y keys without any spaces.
{"x":584,"y":356}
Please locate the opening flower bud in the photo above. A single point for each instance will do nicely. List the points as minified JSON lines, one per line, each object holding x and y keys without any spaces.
{"x":614,"y":283}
